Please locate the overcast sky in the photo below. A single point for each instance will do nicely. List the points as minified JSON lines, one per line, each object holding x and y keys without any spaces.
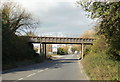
{"x":60,"y":16}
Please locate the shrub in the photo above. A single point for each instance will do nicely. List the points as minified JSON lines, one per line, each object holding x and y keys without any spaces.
{"x":62,"y":51}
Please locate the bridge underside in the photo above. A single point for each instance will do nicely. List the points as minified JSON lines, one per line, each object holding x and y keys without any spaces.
{"x":61,"y":43}
{"x":60,"y":40}
{"x":43,"y":47}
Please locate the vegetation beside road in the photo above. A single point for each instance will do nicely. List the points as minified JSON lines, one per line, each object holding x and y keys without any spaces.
{"x":15,"y":48}
{"x":102,"y":60}
{"x":62,"y":50}
{"x":75,"y":48}
{"x":99,"y":67}
{"x":98,"y":64}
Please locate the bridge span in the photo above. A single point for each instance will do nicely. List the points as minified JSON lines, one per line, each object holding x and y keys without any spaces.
{"x":60,"y":40}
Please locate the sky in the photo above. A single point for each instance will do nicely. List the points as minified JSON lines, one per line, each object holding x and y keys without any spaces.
{"x":58,"y":16}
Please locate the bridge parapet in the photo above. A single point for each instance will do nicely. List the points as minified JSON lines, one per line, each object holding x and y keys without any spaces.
{"x":61,"y":40}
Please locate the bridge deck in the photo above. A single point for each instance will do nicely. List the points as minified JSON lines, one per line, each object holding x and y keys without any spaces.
{"x":61,"y":40}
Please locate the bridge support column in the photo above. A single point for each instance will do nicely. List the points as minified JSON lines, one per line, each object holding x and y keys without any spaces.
{"x":82,"y":48}
{"x":45,"y":50}
{"x":40,"y":48}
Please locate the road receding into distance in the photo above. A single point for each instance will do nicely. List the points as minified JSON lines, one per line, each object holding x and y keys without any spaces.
{"x":65,"y":67}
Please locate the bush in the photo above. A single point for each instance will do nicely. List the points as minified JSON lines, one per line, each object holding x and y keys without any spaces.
{"x":62,"y":51}
{"x":16,"y":49}
{"x":100,"y":62}
{"x":98,"y":66}
{"x":113,"y":54}
{"x":39,"y":59}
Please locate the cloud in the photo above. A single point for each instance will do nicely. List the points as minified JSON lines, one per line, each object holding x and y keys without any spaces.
{"x":58,"y":15}
{"x":64,"y":18}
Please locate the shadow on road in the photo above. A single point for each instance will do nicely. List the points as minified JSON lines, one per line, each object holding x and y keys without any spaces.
{"x":54,"y":63}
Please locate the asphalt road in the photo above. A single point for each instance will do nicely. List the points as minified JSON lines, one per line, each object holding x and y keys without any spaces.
{"x":66,"y":67}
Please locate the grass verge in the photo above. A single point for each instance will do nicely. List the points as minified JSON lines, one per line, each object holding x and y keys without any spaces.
{"x":99,"y":67}
{"x":16,"y":64}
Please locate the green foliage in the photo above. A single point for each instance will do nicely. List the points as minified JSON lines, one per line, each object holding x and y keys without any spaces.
{"x":103,"y":59}
{"x":87,"y":50}
{"x":98,"y":66}
{"x":15,"y":48}
{"x":62,"y":51}
{"x":36,"y":49}
{"x":109,"y":23}
{"x":99,"y":44}
{"x":39,"y":59}
{"x":75,"y":48}
{"x":99,"y":63}
{"x":15,"y":19}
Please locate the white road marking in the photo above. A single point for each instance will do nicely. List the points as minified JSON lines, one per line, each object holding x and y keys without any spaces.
{"x":31,"y":74}
{"x":40,"y":71}
{"x":20,"y":79}
{"x":58,"y":56}
{"x":46,"y":69}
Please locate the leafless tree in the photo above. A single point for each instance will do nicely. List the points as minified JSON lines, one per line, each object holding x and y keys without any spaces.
{"x":16,"y":19}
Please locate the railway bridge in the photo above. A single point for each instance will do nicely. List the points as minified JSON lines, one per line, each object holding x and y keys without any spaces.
{"x":60,"y":40}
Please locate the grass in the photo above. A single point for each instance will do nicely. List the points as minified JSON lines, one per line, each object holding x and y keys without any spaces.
{"x":99,"y":67}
